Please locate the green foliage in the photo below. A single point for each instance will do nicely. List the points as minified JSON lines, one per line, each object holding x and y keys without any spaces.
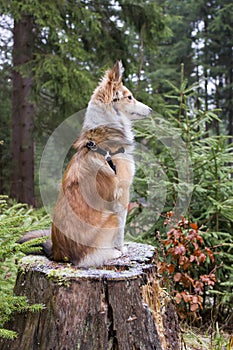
{"x":185,"y":168}
{"x":10,"y":304}
{"x":15,"y":220}
{"x":210,"y":339}
{"x":215,"y":58}
{"x":73,"y":43}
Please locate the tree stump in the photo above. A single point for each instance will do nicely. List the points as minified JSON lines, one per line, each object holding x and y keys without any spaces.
{"x":119,"y":306}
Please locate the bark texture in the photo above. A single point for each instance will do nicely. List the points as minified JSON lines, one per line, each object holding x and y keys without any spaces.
{"x":22,"y":188}
{"x":119,"y":306}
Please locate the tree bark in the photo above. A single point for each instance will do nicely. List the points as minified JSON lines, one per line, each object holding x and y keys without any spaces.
{"x":119,"y":306}
{"x":22,"y":187}
{"x":230,"y":99}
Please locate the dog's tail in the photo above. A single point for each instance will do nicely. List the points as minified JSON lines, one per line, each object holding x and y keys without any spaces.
{"x":46,"y":246}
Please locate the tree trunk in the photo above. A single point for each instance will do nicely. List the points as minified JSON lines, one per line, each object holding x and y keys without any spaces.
{"x":22,"y":188}
{"x":230,"y":103}
{"x":119,"y":306}
{"x":205,"y":65}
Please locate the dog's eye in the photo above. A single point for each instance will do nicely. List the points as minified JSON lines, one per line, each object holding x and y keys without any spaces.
{"x":130,"y":97}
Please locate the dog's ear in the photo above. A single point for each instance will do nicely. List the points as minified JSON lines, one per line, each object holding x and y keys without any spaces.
{"x":117,"y":72}
{"x":112,"y":80}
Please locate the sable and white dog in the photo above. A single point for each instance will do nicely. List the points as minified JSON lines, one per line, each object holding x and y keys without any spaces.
{"x":90,"y":214}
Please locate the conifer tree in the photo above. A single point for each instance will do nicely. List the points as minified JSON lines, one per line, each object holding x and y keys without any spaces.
{"x":15,"y":220}
{"x":66,"y":46}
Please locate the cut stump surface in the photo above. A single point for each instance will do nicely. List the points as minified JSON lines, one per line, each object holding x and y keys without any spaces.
{"x":119,"y":306}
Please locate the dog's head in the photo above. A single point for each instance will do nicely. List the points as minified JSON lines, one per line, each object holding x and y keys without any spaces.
{"x":113,"y":93}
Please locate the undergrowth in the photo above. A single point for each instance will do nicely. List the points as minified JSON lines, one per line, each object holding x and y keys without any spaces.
{"x":15,"y":220}
{"x":210,"y":339}
{"x":185,"y":168}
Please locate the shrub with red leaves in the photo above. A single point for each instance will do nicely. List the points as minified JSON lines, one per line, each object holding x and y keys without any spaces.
{"x":184,"y":253}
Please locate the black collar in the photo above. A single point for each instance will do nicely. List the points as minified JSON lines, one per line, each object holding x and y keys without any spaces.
{"x":107,"y":154}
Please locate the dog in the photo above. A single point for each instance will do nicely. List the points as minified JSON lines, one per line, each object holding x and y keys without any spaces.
{"x":90,"y":213}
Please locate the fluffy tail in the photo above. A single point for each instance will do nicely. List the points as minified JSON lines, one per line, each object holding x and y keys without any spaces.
{"x":46,"y":246}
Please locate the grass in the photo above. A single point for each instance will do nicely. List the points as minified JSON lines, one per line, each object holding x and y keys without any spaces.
{"x":195,"y":339}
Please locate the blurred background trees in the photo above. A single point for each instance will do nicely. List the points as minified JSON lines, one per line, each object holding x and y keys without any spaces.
{"x":52,"y":55}
{"x":178,"y":59}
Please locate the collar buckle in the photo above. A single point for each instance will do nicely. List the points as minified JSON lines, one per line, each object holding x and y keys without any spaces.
{"x":91,"y":145}
{"x":107,"y":156}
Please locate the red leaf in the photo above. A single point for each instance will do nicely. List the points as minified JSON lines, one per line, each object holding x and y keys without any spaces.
{"x":198,"y":287}
{"x":171,"y":268}
{"x":176,"y":233}
{"x":199,"y":238}
{"x":210,"y":253}
{"x":209,"y":279}
{"x":202,"y":257}
{"x":194,"y":226}
{"x":186,"y":265}
{"x":192,"y":258}
{"x":194,"y":307}
{"x":195,"y":299}
{"x":189,"y":279}
{"x":180,"y":250}
{"x":177,"y":277}
{"x":166,"y":242}
{"x":178,"y":298}
{"x":186,"y":296}
{"x":162,"y":267}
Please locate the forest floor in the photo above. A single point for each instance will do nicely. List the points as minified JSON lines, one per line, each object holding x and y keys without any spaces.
{"x":195,"y":339}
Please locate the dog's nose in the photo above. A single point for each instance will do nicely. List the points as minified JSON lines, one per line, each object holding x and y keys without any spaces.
{"x":150,"y":110}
